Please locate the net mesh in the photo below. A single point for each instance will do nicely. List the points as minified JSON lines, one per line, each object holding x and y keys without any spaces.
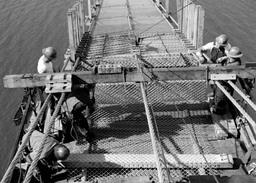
{"x":157,"y":50}
{"x":120,"y":125}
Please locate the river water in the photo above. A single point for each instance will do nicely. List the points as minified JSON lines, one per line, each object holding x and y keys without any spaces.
{"x":27,"y":26}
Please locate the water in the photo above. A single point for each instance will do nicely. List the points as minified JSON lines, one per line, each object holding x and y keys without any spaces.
{"x":27,"y":26}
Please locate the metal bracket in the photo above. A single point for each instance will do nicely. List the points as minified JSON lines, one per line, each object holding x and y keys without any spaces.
{"x":58,"y":83}
{"x":110,"y":69}
{"x":223,"y":77}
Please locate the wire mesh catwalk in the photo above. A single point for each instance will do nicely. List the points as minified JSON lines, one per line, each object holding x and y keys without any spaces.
{"x":128,"y":31}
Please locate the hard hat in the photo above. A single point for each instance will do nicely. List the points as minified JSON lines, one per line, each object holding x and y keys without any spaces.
{"x":61,"y":152}
{"x":234,"y":52}
{"x":222,"y":40}
{"x":49,"y":52}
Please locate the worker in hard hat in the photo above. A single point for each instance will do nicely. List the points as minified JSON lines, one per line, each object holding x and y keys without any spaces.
{"x":53,"y":152}
{"x":45,"y":65}
{"x":45,"y":61}
{"x":233,"y":58}
{"x":80,"y":104}
{"x":216,"y":49}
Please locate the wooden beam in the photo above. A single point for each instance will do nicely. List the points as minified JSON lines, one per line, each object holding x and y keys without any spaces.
{"x":148,"y":161}
{"x":162,"y":74}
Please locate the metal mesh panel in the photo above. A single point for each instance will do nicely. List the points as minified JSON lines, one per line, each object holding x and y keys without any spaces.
{"x":157,"y":50}
{"x":120,"y":125}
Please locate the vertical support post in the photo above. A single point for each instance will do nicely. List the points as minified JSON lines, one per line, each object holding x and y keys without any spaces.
{"x":71,"y":33}
{"x":74,"y":27}
{"x":195,"y":29}
{"x":191,"y":21}
{"x":188,"y":19}
{"x":167,"y":6}
{"x":179,"y":10}
{"x":78,"y":36}
{"x":200,"y":27}
{"x":185,"y":17}
{"x":89,"y":9}
{"x":81,"y":14}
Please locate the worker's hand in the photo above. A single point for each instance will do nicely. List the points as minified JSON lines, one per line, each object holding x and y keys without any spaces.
{"x":221,"y":59}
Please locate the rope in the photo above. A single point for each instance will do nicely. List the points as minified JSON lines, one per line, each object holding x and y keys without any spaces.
{"x":153,"y":140}
{"x":48,"y":130}
{"x":24,"y":143}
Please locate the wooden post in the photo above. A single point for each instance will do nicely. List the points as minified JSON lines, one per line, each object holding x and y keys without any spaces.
{"x":200,"y":27}
{"x":180,"y":13}
{"x":82,"y":15}
{"x":195,"y":29}
{"x":89,"y":9}
{"x":191,"y":22}
{"x":167,"y":6}
{"x":189,"y":19}
{"x":185,"y":17}
{"x":71,"y":33}
{"x":78,"y":23}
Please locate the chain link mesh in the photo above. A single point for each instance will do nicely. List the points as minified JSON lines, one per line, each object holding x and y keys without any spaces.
{"x":121,"y":127}
{"x":157,"y":50}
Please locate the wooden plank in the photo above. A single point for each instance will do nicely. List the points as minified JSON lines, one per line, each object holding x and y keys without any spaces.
{"x":195,"y":29}
{"x":200,"y":27}
{"x":148,"y":161}
{"x":190,"y":73}
{"x":185,"y":17}
{"x":70,"y":33}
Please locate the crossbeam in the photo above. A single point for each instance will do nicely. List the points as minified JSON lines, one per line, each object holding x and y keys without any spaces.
{"x":163,"y":74}
{"x":148,"y":161}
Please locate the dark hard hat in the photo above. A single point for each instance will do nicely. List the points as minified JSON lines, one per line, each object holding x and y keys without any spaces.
{"x":61,"y":152}
{"x":222,"y":40}
{"x":234,"y":52}
{"x":49,"y":52}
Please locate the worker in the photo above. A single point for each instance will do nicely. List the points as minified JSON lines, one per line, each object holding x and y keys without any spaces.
{"x":53,"y":152}
{"x":233,"y":57}
{"x":45,"y":65}
{"x":217,"y":49}
{"x":45,"y":62}
{"x":221,"y":102}
{"x":81,"y":101}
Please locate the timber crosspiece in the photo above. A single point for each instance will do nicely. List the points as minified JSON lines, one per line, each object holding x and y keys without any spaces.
{"x":152,"y":118}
